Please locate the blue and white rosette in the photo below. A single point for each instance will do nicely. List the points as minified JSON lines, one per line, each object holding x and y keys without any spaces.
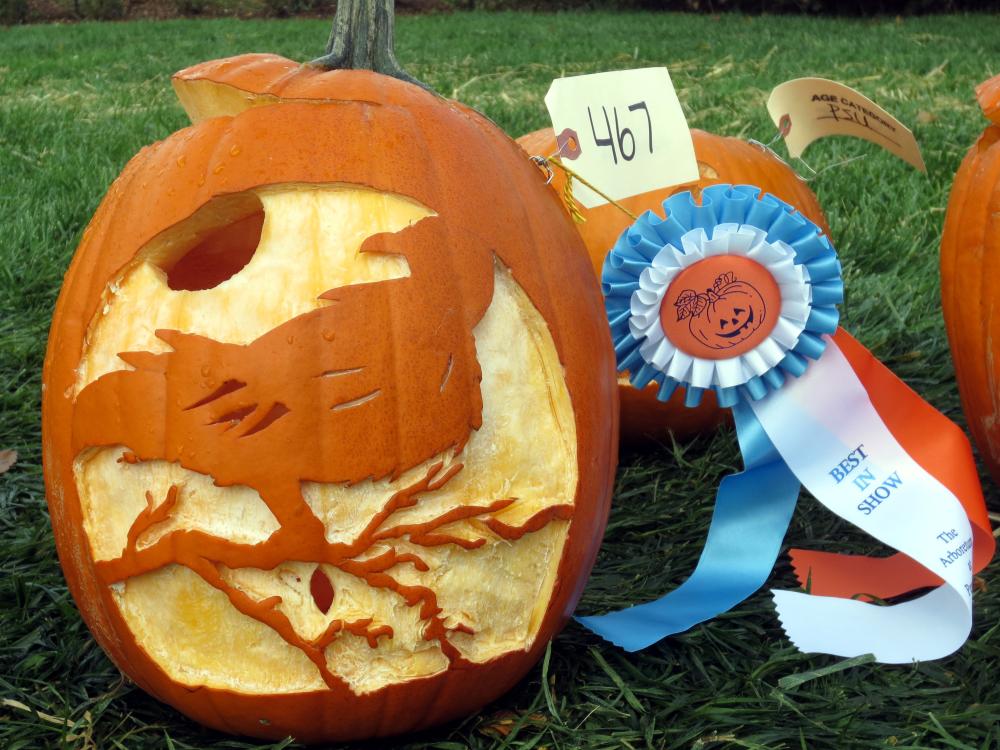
{"x":731,"y":220}
{"x":738,"y":295}
{"x":753,"y":508}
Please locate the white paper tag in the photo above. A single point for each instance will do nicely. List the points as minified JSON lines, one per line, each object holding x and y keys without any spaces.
{"x":624,"y":132}
{"x":828,"y":432}
{"x":807,"y":109}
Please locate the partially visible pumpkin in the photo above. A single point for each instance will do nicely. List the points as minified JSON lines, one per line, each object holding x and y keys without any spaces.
{"x":721,"y":159}
{"x":329,"y":421}
{"x":970,"y":269}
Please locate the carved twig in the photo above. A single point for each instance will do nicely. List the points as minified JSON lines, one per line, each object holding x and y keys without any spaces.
{"x":150,"y":516}
{"x":405,"y":498}
{"x":266,"y":612}
{"x":534,"y":523}
{"x":360,"y":628}
{"x":426,"y":598}
{"x":422,"y":533}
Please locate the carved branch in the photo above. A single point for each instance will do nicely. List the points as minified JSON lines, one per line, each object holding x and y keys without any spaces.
{"x":204,"y":553}
{"x":149,"y":517}
{"x":422,"y":533}
{"x":266,"y":612}
{"x":186,"y":546}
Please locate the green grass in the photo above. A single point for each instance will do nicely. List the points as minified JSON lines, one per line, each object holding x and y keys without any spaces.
{"x":77,"y":101}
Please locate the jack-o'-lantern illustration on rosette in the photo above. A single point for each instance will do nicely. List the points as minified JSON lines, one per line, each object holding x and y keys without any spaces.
{"x":329,"y":421}
{"x":729,"y":313}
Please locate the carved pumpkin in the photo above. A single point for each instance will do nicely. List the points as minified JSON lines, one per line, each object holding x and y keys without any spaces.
{"x":720,"y":160}
{"x":970,"y":250}
{"x":329,"y":420}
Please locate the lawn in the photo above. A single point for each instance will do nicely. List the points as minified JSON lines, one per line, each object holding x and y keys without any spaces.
{"x":77,"y":101}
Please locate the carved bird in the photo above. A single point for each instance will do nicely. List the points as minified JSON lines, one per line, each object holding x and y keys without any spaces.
{"x":381,"y":379}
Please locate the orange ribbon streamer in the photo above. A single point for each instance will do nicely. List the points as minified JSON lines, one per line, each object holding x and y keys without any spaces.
{"x":941,"y":448}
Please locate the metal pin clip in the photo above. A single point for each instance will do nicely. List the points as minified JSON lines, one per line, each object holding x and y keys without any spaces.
{"x":543,"y":163}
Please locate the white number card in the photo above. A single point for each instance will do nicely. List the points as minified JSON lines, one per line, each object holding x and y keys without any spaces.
{"x":623,"y":131}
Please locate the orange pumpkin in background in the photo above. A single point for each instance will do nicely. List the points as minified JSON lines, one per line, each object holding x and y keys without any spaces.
{"x":970,"y":265}
{"x":721,"y":159}
{"x":330,"y":422}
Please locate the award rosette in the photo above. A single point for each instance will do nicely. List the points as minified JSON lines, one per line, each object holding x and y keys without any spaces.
{"x":739,"y":294}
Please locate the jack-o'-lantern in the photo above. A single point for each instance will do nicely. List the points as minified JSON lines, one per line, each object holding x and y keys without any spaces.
{"x":721,"y":160}
{"x":726,"y":315}
{"x":732,"y":316}
{"x":329,"y":420}
{"x":970,"y":250}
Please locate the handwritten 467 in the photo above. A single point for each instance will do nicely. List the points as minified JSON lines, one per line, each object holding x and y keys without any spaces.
{"x":622,"y":137}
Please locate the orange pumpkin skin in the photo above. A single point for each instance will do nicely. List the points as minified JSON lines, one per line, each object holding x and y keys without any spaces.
{"x":970,"y":262}
{"x":721,"y":159}
{"x":385,"y":136}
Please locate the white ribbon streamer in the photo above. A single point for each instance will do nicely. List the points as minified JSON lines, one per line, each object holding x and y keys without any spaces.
{"x":828,"y":432}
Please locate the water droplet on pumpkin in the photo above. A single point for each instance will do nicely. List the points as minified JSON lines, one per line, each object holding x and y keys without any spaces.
{"x":329,"y":335}
{"x":235,"y":151}
{"x":218,"y":169}
{"x":206,"y":371}
{"x":181,"y":160}
{"x":201,"y":180}
{"x":290,"y":339}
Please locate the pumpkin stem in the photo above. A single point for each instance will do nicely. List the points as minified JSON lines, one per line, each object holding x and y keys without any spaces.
{"x":362,"y":39}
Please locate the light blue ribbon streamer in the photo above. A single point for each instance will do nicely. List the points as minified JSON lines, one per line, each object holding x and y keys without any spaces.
{"x":638,"y":245}
{"x":752,"y":513}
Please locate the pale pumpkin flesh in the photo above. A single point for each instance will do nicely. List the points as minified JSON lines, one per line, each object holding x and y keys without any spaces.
{"x":492,"y":578}
{"x":203,"y":99}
